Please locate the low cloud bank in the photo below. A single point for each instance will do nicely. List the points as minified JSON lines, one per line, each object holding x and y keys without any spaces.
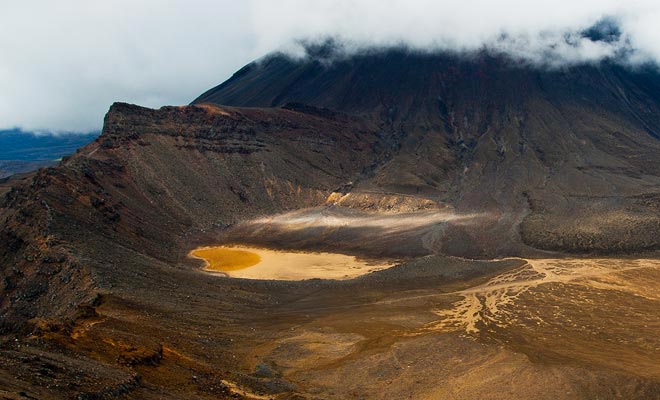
{"x":63,"y":63}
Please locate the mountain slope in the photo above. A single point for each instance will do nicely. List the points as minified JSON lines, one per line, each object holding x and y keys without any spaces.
{"x":571,"y":151}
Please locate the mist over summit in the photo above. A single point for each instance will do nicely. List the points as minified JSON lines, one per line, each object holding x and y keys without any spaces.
{"x":604,"y":40}
{"x":57,"y":79}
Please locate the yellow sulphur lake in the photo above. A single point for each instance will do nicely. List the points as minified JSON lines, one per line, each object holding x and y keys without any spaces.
{"x":258,"y":263}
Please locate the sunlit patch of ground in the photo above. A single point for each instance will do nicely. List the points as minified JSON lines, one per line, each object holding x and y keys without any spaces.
{"x":490,"y":303}
{"x":557,"y":328}
{"x":538,"y":324}
{"x":259,"y":263}
{"x":341,"y":218}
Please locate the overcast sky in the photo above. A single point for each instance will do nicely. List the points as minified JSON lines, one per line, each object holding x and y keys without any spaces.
{"x":62,"y":63}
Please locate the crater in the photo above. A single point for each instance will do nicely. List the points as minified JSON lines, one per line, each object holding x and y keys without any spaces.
{"x":261,"y":263}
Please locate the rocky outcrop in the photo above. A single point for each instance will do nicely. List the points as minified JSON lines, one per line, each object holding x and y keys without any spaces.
{"x":382,"y":202}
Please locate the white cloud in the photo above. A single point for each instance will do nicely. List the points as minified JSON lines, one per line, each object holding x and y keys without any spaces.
{"x":63,"y":63}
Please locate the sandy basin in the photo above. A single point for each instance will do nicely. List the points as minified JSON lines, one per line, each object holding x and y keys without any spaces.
{"x":258,"y":263}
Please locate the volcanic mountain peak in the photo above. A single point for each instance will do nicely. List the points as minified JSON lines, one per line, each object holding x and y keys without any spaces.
{"x":359,"y":82}
{"x":485,"y":134}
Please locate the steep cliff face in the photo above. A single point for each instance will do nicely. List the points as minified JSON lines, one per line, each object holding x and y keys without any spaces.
{"x":568,"y":157}
{"x":202,"y":167}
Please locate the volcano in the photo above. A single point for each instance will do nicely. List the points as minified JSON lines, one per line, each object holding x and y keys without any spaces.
{"x":518,"y":203}
{"x":567,"y":157}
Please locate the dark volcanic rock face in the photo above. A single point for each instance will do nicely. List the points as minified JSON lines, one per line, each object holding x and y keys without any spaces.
{"x":567,"y":156}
